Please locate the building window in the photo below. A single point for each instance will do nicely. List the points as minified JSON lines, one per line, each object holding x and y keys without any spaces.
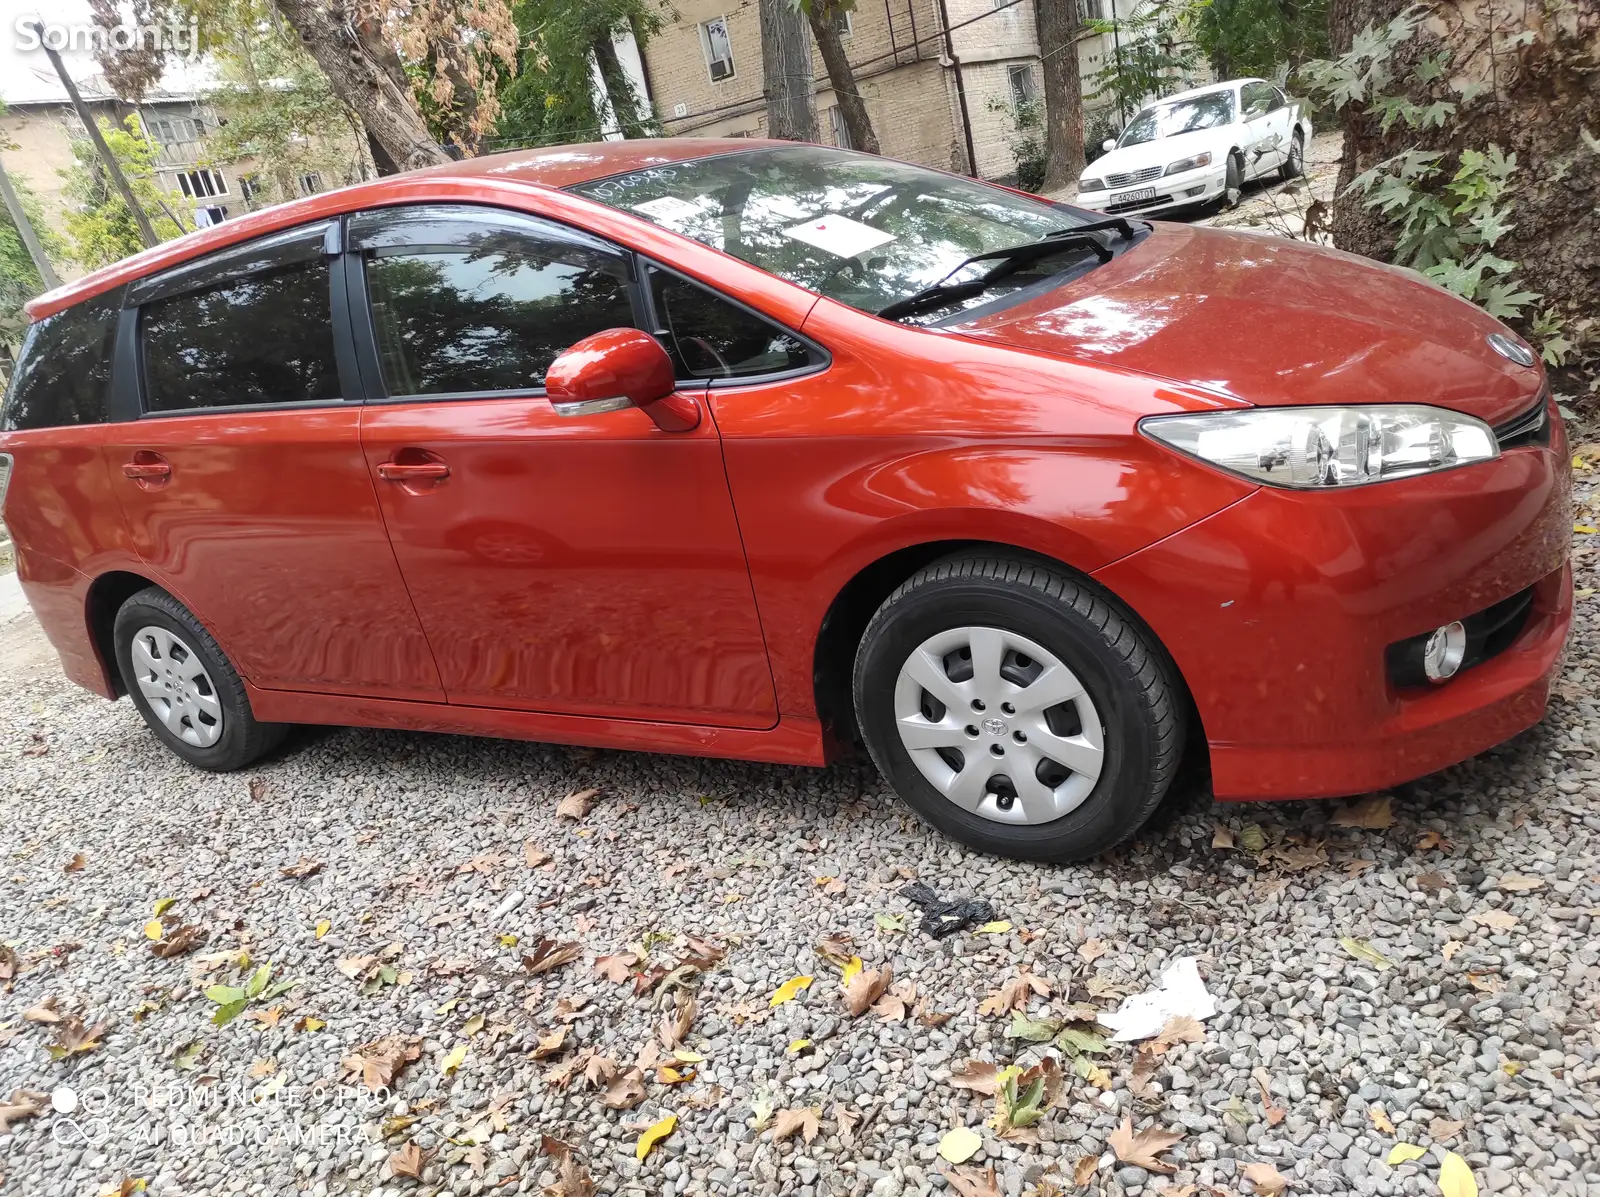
{"x":841,"y":22}
{"x":717,"y":48}
{"x":202,"y":184}
{"x":250,"y":188}
{"x":204,"y":218}
{"x":1024,"y":91}
{"x":173,"y":130}
{"x":1090,"y":10}
{"x":841,"y":131}
{"x":310,"y":183}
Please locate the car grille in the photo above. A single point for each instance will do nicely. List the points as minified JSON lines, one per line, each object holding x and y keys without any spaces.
{"x":1532,"y":427}
{"x":1137,"y":176}
{"x":1149,"y":203}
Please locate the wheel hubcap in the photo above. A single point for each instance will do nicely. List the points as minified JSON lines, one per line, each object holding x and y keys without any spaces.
{"x":177,"y":686}
{"x":999,"y":725}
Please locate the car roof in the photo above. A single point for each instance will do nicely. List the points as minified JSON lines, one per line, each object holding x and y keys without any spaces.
{"x":549,"y":167}
{"x":1229,"y":85}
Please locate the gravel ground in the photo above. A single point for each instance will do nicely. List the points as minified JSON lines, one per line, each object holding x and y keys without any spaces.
{"x":417,"y":850}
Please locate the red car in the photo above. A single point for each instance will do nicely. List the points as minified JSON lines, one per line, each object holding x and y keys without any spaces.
{"x":761,"y":450}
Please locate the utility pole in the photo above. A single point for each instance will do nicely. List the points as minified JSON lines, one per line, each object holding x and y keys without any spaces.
{"x":146,"y":231}
{"x":25,"y":231}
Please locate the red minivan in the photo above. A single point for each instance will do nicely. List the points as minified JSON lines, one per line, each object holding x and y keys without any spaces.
{"x":765,"y":450}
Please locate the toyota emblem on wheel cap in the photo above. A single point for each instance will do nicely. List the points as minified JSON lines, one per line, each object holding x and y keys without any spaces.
{"x":1512,"y":351}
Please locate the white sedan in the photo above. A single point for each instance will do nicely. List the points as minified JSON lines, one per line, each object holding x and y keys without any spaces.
{"x":1198,"y":148}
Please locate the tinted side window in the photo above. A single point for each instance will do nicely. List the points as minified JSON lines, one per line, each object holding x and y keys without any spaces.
{"x":708,"y":337}
{"x":491,"y":317}
{"x":1256,"y":97}
{"x":265,"y":338}
{"x":65,"y":366}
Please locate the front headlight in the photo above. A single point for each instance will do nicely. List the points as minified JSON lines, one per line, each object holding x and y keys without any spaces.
{"x":1311,"y":447}
{"x":1183,"y":164}
{"x":1091,"y":185}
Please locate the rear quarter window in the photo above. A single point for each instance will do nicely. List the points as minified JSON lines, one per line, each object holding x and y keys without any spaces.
{"x":64,"y":368}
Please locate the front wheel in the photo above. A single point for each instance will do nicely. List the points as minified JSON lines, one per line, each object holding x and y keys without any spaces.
{"x":184,"y":686}
{"x":1233,"y":183}
{"x":1018,"y":709}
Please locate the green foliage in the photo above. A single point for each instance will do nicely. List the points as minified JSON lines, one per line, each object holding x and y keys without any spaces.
{"x":1157,"y":55}
{"x":1026,"y":141}
{"x":1448,"y":209}
{"x":1257,"y":37}
{"x":100,"y":227}
{"x":19,"y":279}
{"x":553,"y":98}
{"x":278,"y":110}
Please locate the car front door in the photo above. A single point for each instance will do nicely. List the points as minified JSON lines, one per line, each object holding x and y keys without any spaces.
{"x":1263,"y":150}
{"x":235,"y":451}
{"x":584,"y":565}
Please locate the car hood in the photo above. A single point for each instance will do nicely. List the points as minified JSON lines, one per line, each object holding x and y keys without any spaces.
{"x":1266,"y":321}
{"x":1161,"y":152}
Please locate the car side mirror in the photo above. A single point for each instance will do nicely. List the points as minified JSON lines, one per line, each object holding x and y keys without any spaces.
{"x":618,"y":368}
{"x":1109,"y":144}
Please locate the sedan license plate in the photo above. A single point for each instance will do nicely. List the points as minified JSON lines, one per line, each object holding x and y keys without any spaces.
{"x":1142,"y":196}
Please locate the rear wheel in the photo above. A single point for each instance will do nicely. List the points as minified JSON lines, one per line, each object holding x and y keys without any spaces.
{"x":184,"y":686}
{"x":1295,"y":164}
{"x":1018,"y":709}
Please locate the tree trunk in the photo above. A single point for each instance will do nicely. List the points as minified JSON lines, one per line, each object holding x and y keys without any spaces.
{"x":619,"y":92}
{"x":1059,"y":25}
{"x":851,"y":106}
{"x":366,"y":75}
{"x":786,"y":72}
{"x":1535,"y":102}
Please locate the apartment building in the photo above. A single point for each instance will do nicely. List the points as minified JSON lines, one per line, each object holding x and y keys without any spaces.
{"x":941,"y":79}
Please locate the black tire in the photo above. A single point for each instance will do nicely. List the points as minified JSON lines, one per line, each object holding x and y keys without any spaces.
{"x":1233,"y":185}
{"x":1294,"y":165}
{"x":243,"y":740}
{"x":1131,"y":681}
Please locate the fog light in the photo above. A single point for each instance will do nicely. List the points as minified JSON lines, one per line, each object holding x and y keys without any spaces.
{"x":1442,"y":654}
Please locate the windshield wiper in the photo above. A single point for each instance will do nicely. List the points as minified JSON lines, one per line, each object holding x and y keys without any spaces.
{"x":1120,"y":223}
{"x":1009,"y":260}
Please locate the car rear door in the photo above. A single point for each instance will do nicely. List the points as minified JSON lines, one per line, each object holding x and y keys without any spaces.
{"x":239,"y":469}
{"x":585,"y":565}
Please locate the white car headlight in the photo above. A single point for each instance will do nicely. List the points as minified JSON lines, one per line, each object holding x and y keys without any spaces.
{"x":1307,"y":448}
{"x":1183,"y":164}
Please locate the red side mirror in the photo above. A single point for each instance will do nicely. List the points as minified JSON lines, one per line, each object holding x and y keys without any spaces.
{"x":621,"y":367}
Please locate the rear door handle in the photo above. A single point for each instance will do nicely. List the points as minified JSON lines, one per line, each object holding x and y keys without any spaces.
{"x":147,"y":467}
{"x":412,"y":471}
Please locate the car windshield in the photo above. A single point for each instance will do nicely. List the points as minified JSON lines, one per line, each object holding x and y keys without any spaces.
{"x":1209,"y":111}
{"x":863,"y":230}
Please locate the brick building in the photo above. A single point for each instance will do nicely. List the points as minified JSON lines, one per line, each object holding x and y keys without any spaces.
{"x":941,"y":78}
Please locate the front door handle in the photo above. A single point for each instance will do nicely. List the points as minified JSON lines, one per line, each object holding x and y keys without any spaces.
{"x":147,"y":468}
{"x":413,"y":471}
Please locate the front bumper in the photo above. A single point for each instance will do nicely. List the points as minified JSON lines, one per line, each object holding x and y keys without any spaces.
{"x":1172,"y":192}
{"x":1279,"y":610}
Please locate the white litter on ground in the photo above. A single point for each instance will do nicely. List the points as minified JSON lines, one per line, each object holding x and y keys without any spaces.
{"x":1144,"y":1014}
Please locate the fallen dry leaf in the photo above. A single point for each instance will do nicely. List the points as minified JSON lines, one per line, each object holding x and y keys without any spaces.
{"x":23,"y":1103}
{"x":1371,"y":812}
{"x":1357,"y":866}
{"x":1014,"y":994}
{"x":897,"y":1003}
{"x":1141,"y":1148}
{"x":1221,"y":837}
{"x":549,"y":954}
{"x":533,"y":855}
{"x":75,"y":865}
{"x":1497,"y":920}
{"x":1380,"y":1120}
{"x":1450,"y":949}
{"x":654,"y":1134}
{"x":304,"y":867}
{"x":1514,"y":883}
{"x":1145,"y":1063}
{"x":1092,"y":949}
{"x":73,"y":1038}
{"x":674,"y":1027}
{"x":806,"y":1122}
{"x":572,"y":1179}
{"x":1084,"y":1169}
{"x":1266,"y":1179}
{"x":179,"y":942}
{"x":1441,"y":1130}
{"x":1270,"y":1112}
{"x":549,"y":1045}
{"x":378,"y":1062}
{"x":977,"y":1075}
{"x":625,"y":1091}
{"x":43,"y":1011}
{"x":8,"y":963}
{"x":865,"y":988}
{"x":969,"y":1182}
{"x":576,"y":804}
{"x":1432,"y":841}
{"x":617,"y":968}
{"x":1432,"y":881}
{"x":1181,"y":1028}
{"x":408,"y":1162}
